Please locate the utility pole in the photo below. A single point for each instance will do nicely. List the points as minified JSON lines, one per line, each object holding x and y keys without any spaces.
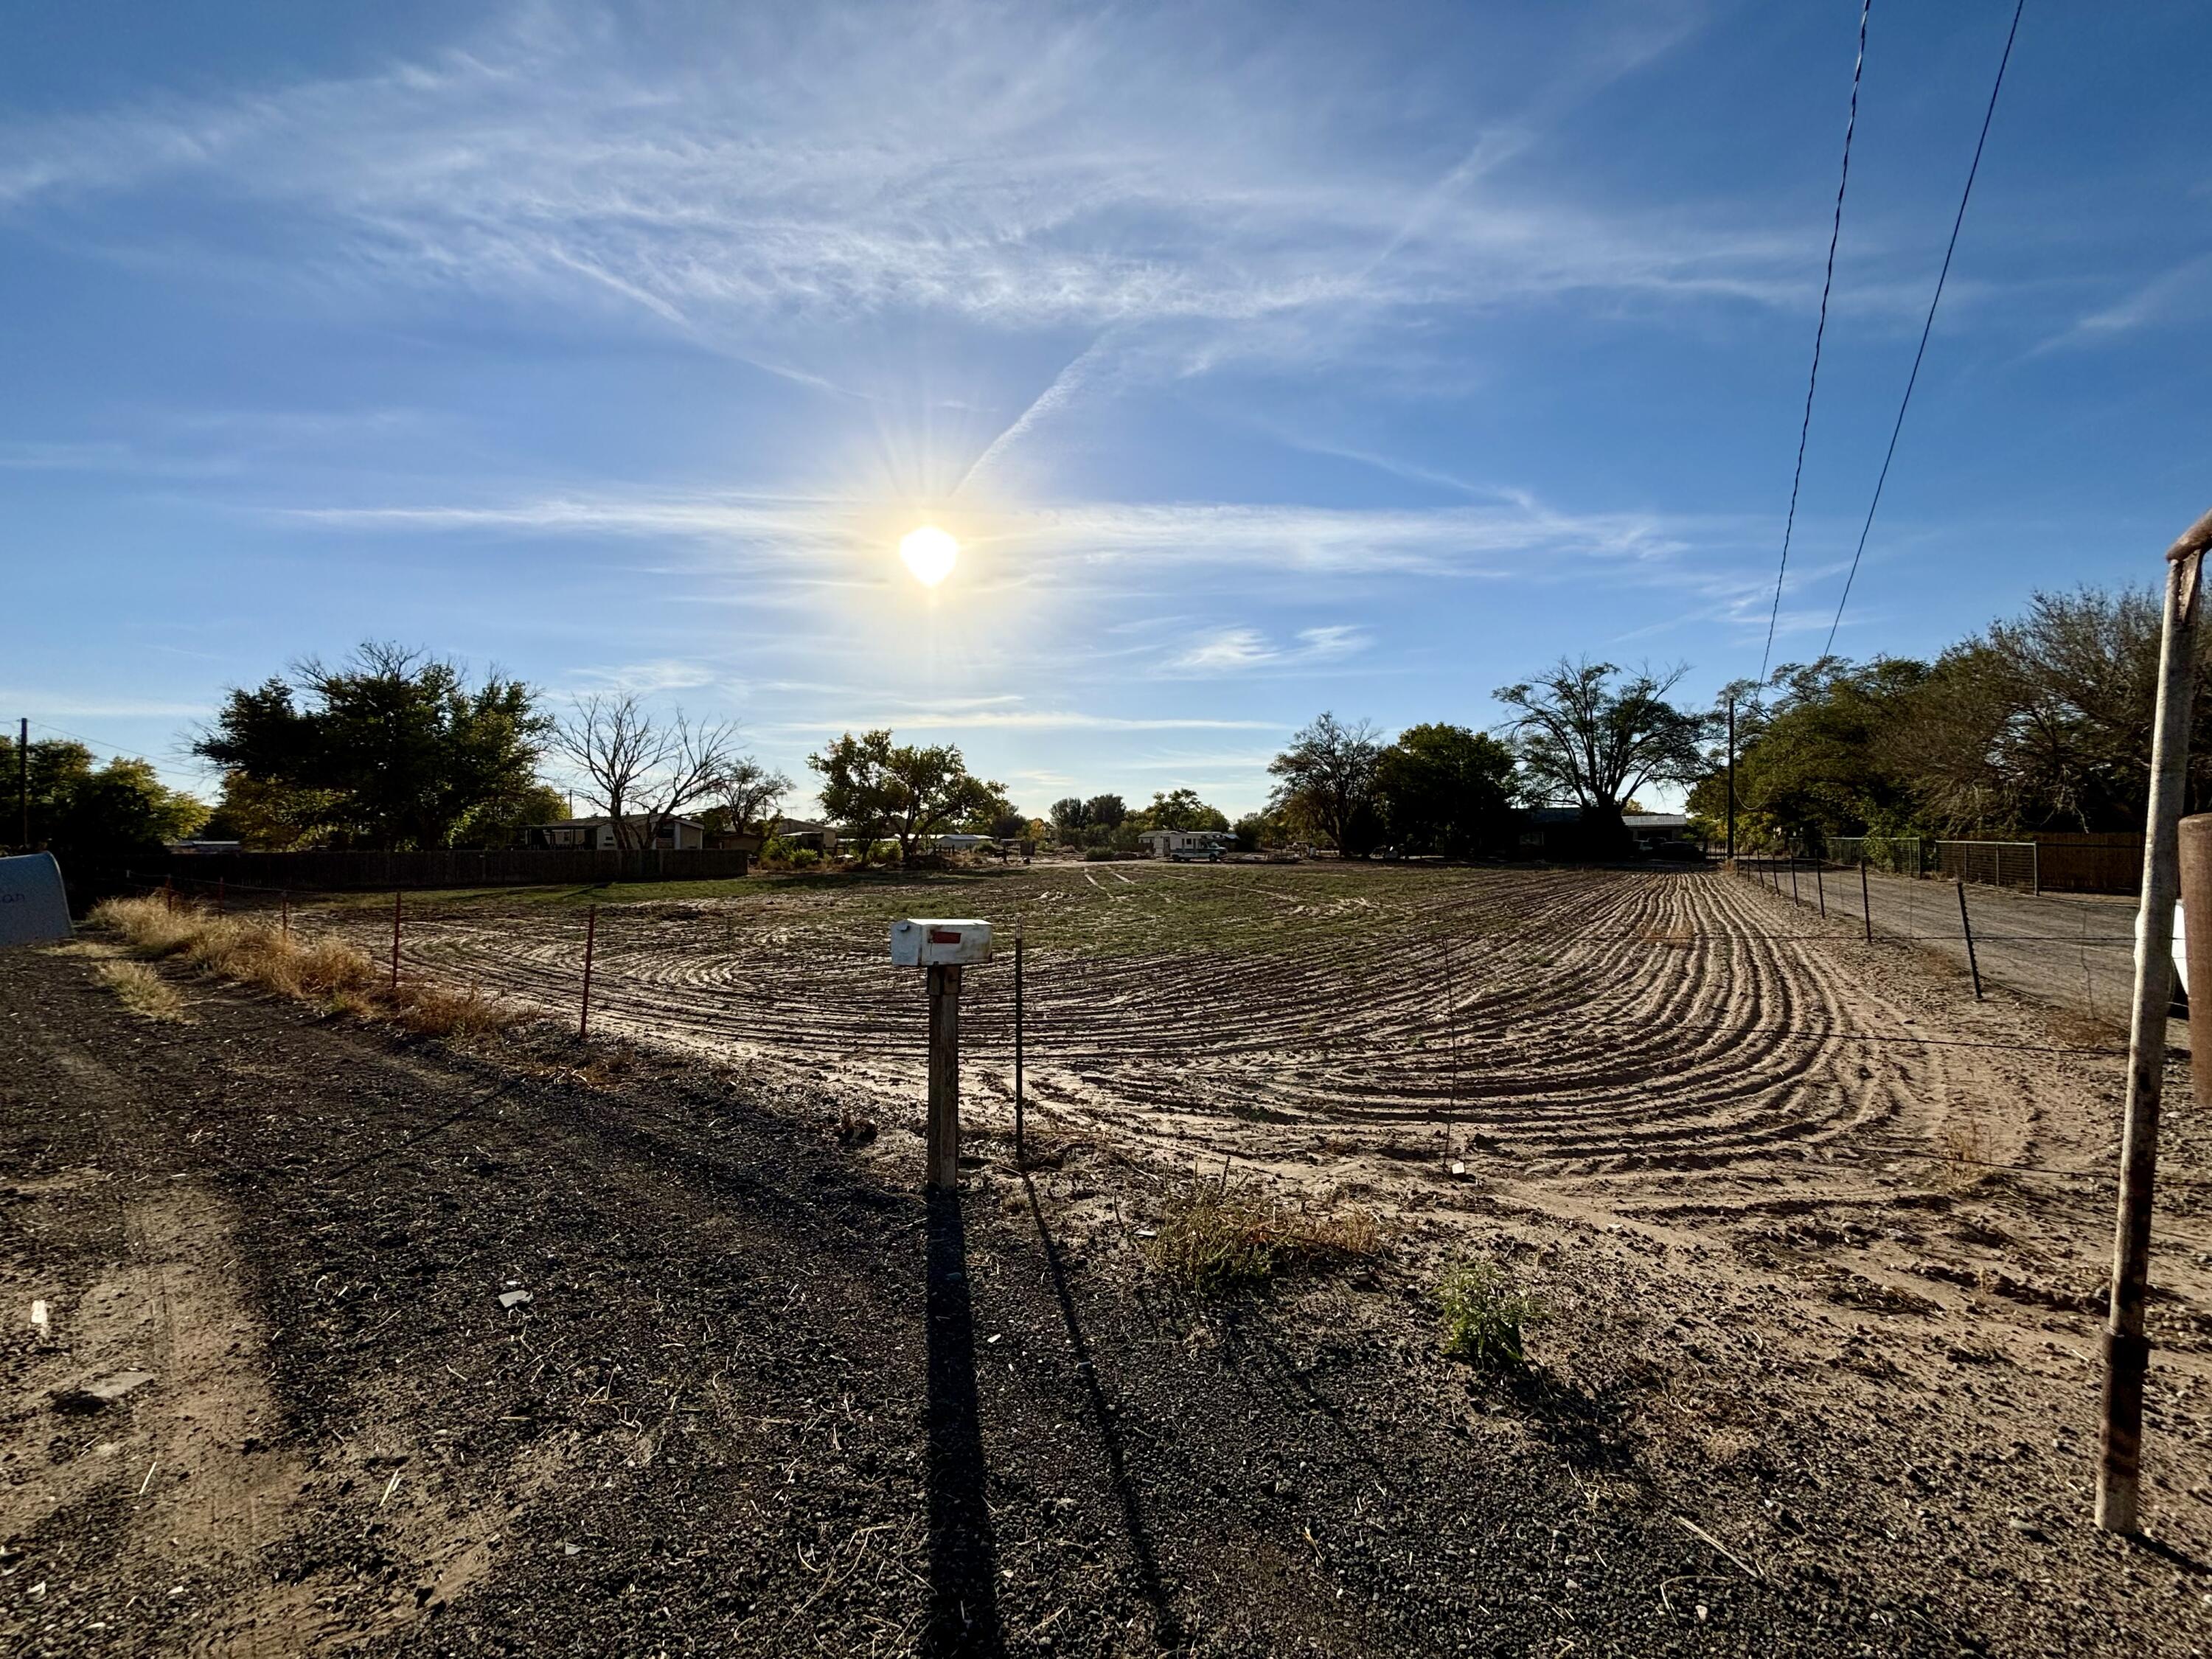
{"x":24,"y":780}
{"x":2127,"y":1354}
{"x":1731,"y":778}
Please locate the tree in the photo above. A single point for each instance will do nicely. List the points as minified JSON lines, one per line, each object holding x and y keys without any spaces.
{"x":751,"y":793}
{"x":1581,"y":733}
{"x":641,"y":772}
{"x":1182,"y":810}
{"x":1010,"y":825}
{"x":1104,"y":812}
{"x":96,"y":816}
{"x":1326,"y":781}
{"x":1069,"y":818}
{"x":1446,"y":789}
{"x":874,"y":788}
{"x":393,"y":745}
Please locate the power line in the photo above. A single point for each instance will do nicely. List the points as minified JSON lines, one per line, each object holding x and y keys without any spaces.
{"x":1965,"y":195}
{"x":1820,"y":330}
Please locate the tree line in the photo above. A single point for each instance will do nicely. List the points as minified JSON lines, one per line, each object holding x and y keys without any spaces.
{"x":2040,"y":722}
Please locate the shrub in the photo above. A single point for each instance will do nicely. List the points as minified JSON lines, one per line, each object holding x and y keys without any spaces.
{"x":1215,"y":1238}
{"x":1485,"y":1315}
{"x":249,"y":950}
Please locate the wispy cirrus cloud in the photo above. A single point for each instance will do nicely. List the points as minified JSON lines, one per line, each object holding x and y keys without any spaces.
{"x":1235,"y":650}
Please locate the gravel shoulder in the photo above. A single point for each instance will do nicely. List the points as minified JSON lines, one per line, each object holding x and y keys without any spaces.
{"x":759,"y":1398}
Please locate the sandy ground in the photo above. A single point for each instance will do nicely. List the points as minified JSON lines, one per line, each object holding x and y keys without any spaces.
{"x":1822,"y":1241}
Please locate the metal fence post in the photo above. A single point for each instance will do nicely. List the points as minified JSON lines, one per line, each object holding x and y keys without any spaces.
{"x":591,"y":937}
{"x":1820,"y":886}
{"x":942,"y":1165}
{"x":1018,"y":1154}
{"x":1865,"y":902}
{"x":1968,"y":928}
{"x":395,"y":938}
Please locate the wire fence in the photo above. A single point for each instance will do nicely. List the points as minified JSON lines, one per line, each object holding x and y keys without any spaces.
{"x":1466,"y":1021}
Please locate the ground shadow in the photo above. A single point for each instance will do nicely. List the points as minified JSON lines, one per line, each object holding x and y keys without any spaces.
{"x":1165,"y":1629}
{"x":963,"y":1604}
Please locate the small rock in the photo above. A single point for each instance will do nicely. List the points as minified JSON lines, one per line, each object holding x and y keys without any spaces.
{"x":513,"y":1298}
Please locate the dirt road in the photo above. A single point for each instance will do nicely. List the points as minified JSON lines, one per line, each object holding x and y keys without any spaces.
{"x":761,"y":1399}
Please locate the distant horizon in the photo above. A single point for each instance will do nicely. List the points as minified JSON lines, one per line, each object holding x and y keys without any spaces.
{"x":1263,"y":361}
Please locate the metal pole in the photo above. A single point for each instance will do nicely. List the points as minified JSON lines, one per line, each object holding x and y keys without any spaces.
{"x":1731,"y":779}
{"x":2127,"y":1355}
{"x":943,"y":1168}
{"x":23,"y":779}
{"x":395,"y":938}
{"x":1018,"y":1154}
{"x":1820,"y":886}
{"x":1866,"y":904}
{"x":1968,"y":928}
{"x":1793,"y":897}
{"x":591,"y":935}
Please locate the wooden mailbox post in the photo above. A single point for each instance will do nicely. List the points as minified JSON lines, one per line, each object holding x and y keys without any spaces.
{"x":943,"y":947}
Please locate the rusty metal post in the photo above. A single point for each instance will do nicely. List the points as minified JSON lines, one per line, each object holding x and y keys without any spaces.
{"x":943,"y":1168}
{"x":1966,"y":927}
{"x":1018,"y":1154}
{"x":2127,"y":1354}
{"x":591,"y":936}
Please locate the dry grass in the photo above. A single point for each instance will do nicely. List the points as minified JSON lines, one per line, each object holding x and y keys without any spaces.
{"x":248,"y":950}
{"x":1214,"y":1237}
{"x":1966,"y":1152}
{"x":143,"y":991}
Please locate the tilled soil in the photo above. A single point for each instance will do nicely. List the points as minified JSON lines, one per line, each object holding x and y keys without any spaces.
{"x":761,"y":1398}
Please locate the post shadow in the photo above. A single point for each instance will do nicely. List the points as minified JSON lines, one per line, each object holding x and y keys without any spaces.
{"x":1166,"y":1629}
{"x":963,"y":1604}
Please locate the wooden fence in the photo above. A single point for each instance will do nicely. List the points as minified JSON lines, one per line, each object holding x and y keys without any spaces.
{"x":520,"y":866}
{"x":2090,"y":864}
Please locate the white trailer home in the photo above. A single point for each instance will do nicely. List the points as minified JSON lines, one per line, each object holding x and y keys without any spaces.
{"x":1186,"y":846}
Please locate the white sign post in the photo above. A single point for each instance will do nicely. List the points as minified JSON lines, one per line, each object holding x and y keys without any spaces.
{"x":943,"y":947}
{"x":33,"y":905}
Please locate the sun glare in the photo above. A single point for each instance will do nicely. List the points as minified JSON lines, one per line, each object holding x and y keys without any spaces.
{"x":929,"y":553}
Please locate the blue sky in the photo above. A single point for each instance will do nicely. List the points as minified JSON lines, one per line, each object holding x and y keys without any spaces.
{"x":1265,"y":358}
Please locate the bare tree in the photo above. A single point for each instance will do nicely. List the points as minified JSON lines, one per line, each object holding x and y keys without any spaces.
{"x":639,"y":772}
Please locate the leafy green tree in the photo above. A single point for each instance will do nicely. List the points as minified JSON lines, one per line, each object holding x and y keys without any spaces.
{"x":95,"y":815}
{"x":1105,"y":811}
{"x":402,"y":749}
{"x":1583,"y":730}
{"x":1446,"y":789}
{"x":1325,"y":782}
{"x":875,"y":788}
{"x":1070,"y":817}
{"x":1181,"y":808}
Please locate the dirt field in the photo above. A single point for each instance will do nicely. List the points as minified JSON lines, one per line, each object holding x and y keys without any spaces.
{"x":1821,"y":1241}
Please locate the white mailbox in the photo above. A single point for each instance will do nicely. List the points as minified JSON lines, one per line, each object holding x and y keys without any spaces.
{"x":919,"y":942}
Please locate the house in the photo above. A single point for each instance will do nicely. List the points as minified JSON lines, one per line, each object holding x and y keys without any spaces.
{"x":806,"y":832}
{"x":1208,"y":845}
{"x":676,"y":834}
{"x":1650,"y":828}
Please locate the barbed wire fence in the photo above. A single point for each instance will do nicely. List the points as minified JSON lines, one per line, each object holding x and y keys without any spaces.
{"x":852,"y":976}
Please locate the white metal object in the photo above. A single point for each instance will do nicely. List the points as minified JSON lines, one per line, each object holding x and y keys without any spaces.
{"x":34,"y":907}
{"x":922,"y":942}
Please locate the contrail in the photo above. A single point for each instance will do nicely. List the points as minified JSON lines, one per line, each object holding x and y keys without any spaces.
{"x":1064,"y":386}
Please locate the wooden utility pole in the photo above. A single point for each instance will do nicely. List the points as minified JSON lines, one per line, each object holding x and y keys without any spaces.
{"x":1731,"y":779}
{"x":591,"y":938}
{"x":2127,"y":1355}
{"x":944,"y":1155}
{"x":2195,"y":962}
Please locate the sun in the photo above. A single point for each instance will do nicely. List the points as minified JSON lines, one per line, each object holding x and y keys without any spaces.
{"x":929,"y":553}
